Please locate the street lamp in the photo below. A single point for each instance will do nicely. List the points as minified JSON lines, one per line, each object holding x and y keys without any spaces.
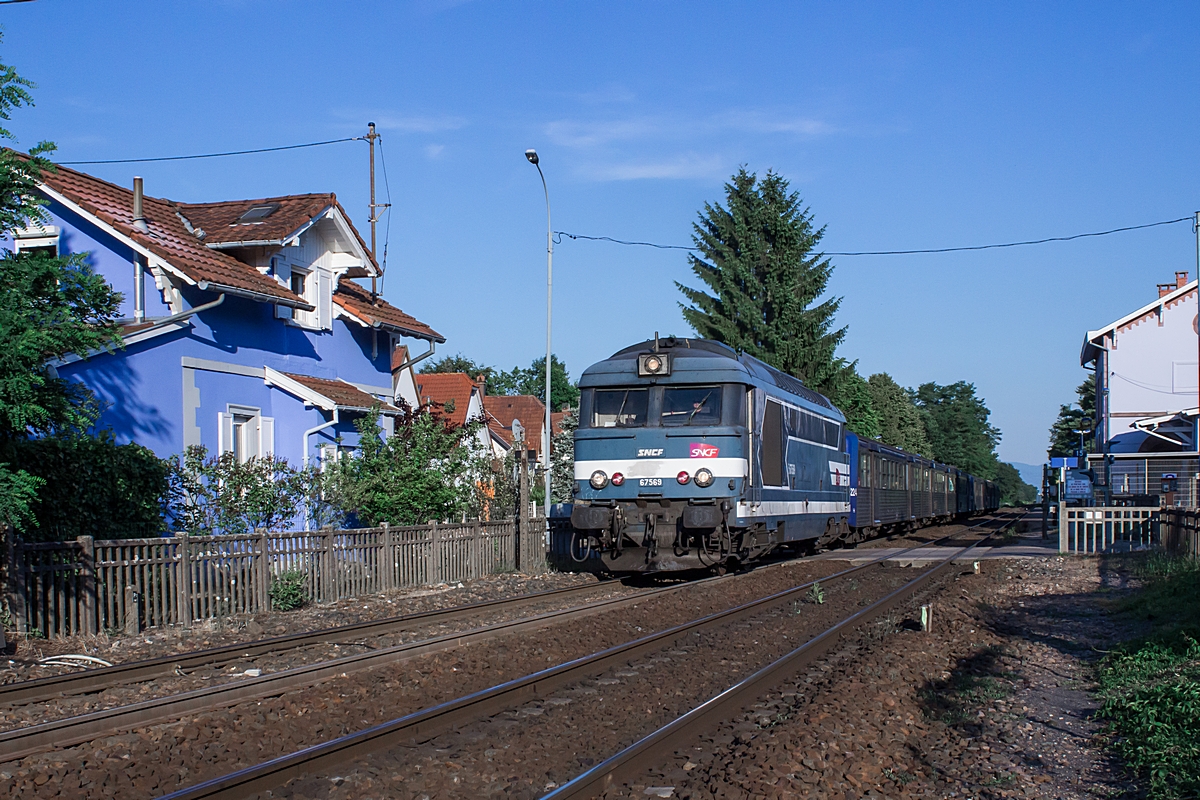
{"x":533,"y":159}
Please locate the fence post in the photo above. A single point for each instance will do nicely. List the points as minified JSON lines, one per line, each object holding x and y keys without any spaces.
{"x":522,"y":506}
{"x":10,"y":582}
{"x":87,"y":547}
{"x":264,"y":571}
{"x":435,"y":553}
{"x":132,"y":618}
{"x":21,"y":609}
{"x":329,"y":589}
{"x":1062,"y":527}
{"x":185,"y":580}
{"x":388,"y":562}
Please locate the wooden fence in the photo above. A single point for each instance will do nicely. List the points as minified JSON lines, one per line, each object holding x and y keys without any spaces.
{"x":82,"y":587}
{"x":1181,"y":532}
{"x":1106,"y":529}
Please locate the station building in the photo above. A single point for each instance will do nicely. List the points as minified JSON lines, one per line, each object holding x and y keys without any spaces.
{"x":1147,"y":366}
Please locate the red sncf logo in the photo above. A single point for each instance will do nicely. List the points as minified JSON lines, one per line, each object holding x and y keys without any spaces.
{"x":702,"y":450}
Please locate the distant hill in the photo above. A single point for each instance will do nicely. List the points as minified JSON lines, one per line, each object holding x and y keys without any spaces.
{"x":1030,"y":473}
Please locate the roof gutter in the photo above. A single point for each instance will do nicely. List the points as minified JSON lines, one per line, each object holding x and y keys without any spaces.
{"x":207,"y":286}
{"x":422,"y":357}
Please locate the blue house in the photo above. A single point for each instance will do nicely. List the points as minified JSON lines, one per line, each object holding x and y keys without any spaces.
{"x":246,"y":327}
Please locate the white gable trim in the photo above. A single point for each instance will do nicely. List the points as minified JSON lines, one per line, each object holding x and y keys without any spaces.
{"x":275,"y":378}
{"x":1095,"y":339}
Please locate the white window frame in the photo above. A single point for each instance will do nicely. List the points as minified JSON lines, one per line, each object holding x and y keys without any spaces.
{"x":253,"y":435}
{"x":34,"y":238}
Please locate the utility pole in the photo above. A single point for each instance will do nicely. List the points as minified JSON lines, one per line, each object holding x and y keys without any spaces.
{"x":373,"y":208}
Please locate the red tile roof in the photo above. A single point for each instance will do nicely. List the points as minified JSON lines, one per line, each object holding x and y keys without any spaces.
{"x":441,"y":388}
{"x":357,"y":301}
{"x":219,"y":220}
{"x":343,"y":394}
{"x":528,"y":409}
{"x":168,"y":236}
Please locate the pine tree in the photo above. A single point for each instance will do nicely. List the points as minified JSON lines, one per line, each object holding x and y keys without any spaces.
{"x":899,"y":420}
{"x":1064,"y":441}
{"x":562,"y":459}
{"x":853,"y":397}
{"x":758,"y":256}
{"x":956,"y":422}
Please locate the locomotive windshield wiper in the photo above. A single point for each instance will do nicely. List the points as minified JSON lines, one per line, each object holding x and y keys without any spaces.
{"x":697,"y":407}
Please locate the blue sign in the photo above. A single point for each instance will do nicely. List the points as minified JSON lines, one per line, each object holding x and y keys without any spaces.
{"x":1070,"y":463}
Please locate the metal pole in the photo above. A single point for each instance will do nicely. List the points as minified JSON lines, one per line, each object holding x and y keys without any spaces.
{"x":549,"y":294}
{"x":371,"y":137}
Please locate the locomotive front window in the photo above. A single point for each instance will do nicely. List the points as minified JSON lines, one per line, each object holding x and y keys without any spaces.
{"x":620,"y":408}
{"x":691,"y":405}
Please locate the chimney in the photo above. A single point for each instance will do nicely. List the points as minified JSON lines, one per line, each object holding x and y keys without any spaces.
{"x":139,"y":219}
{"x":1165,"y":289}
{"x":1181,"y":279}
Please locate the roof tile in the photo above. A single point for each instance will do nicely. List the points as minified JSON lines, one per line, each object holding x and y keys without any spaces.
{"x":343,"y":394}
{"x":357,"y":301}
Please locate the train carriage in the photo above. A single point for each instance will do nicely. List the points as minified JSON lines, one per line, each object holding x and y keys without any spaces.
{"x":690,"y":455}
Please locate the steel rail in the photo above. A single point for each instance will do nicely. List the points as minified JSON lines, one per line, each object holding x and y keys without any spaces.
{"x":97,"y":680}
{"x":429,"y":722}
{"x":663,"y":743}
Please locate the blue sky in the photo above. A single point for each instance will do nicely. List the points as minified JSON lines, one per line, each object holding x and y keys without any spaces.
{"x":901,"y":125}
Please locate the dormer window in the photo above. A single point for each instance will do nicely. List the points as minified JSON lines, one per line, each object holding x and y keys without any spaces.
{"x":299,"y":282}
{"x":42,"y":240}
{"x":257,"y":213}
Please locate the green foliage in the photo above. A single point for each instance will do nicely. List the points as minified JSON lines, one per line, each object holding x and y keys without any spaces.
{"x":19,"y":175}
{"x":759,"y":256}
{"x":816,"y":594}
{"x":219,"y":495}
{"x":18,"y":495}
{"x":1064,"y":441}
{"x":529,"y":380}
{"x":1150,"y":689}
{"x":900,"y":422}
{"x":956,"y":422}
{"x":853,"y":396}
{"x":562,"y":460}
{"x":91,"y":485}
{"x":289,"y":590}
{"x":1014,"y":491}
{"x":421,"y":472}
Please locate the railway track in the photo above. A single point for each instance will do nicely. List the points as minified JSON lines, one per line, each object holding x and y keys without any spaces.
{"x":429,"y":722}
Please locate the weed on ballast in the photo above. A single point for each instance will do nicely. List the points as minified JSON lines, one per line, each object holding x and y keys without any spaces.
{"x":978,"y":680}
{"x":289,"y":590}
{"x":898,"y":776}
{"x":816,"y":594}
{"x":1150,"y":688}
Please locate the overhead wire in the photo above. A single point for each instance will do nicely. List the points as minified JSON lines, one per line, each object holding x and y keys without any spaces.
{"x":211,"y":155}
{"x":968,"y":248}
{"x":387,"y":228}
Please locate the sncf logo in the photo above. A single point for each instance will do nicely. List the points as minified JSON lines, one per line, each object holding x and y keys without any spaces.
{"x":702,"y":450}
{"x":649,"y":451}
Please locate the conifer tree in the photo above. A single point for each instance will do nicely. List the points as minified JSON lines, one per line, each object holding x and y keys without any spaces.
{"x":899,"y":420}
{"x":758,"y":255}
{"x":1064,"y":441}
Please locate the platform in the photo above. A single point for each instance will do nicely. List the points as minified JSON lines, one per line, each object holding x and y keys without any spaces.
{"x":1023,"y":548}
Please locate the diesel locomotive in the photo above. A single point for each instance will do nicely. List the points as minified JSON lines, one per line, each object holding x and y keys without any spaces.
{"x":690,"y":456}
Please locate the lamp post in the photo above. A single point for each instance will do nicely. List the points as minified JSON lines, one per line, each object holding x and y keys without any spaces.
{"x":532,"y":156}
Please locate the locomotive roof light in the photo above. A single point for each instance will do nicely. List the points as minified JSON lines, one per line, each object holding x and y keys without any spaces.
{"x":683,"y":477}
{"x":599,"y":479}
{"x":617,"y":479}
{"x":654,"y":365}
{"x":703,"y":478}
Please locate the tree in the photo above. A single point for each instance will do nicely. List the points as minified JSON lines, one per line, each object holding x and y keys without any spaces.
{"x":420,"y":472}
{"x":49,"y":308}
{"x":460,"y":363}
{"x":853,"y":397}
{"x":900,"y":422}
{"x":562,"y":460}
{"x":1064,"y":441}
{"x":1013,"y":488}
{"x":758,"y":256}
{"x":956,"y":423}
{"x":532,"y":381}
{"x":220,"y":495}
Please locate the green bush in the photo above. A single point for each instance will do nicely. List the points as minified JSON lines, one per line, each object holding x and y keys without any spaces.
{"x":289,"y":590}
{"x":92,"y":486}
{"x":1150,"y":688}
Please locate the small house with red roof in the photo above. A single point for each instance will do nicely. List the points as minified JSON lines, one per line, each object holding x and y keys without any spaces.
{"x":250,"y":326}
{"x":459,"y":398}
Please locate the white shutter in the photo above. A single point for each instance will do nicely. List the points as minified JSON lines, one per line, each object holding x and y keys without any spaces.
{"x":283,"y":272}
{"x":266,"y":436}
{"x":324,"y":300}
{"x":389,"y":425}
{"x":224,"y":433}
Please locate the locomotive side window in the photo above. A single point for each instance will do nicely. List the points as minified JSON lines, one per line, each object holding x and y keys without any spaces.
{"x":620,"y":408}
{"x":691,"y":405}
{"x":864,"y":471}
{"x":772,"y":445}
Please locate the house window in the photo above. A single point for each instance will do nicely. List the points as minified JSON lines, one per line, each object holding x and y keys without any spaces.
{"x":42,"y":240}
{"x":246,"y":433}
{"x":299,"y":282}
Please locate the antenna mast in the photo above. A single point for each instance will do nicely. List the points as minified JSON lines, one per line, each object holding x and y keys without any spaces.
{"x":373,"y":208}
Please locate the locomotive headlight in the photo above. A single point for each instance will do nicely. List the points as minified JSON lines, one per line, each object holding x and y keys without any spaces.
{"x":652,"y":365}
{"x":617,"y":479}
{"x":704,"y":478}
{"x":683,"y":477}
{"x":599,"y":479}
